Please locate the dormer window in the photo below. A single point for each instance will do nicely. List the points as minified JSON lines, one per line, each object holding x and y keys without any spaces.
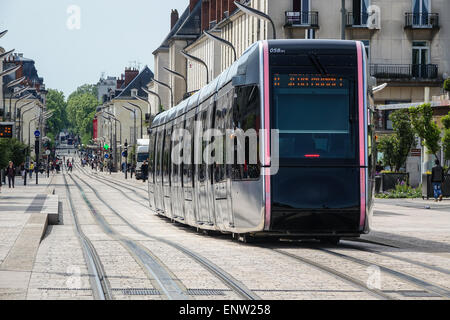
{"x":134,"y":92}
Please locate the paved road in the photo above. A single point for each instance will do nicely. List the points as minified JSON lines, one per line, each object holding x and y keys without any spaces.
{"x":144,"y":256}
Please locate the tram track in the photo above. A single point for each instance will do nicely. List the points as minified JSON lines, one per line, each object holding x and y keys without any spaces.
{"x":99,"y":283}
{"x":235,"y":285}
{"x":419,"y":283}
{"x":166,"y":283}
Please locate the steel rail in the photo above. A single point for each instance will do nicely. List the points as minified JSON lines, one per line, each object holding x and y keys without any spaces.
{"x":234,"y":284}
{"x":99,"y":283}
{"x":168,"y":285}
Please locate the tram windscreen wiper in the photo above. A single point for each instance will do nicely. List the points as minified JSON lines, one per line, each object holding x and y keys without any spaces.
{"x":316,"y":62}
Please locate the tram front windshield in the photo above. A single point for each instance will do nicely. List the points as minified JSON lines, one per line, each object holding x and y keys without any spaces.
{"x":314,"y":117}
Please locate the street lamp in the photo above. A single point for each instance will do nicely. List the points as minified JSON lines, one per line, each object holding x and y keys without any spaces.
{"x":5,"y":54}
{"x":258,"y":14}
{"x":198,"y":60}
{"x":12,"y":84}
{"x":222,"y":42}
{"x":3,"y":33}
{"x":168,"y":87}
{"x":134,"y":113}
{"x":115,"y":131}
{"x":136,"y":106}
{"x":178,"y":75}
{"x":149,"y":92}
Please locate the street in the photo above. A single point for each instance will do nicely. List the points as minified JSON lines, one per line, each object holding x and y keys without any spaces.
{"x":138,"y":255}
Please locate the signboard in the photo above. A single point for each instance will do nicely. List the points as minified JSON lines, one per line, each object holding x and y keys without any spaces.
{"x":416,"y":152}
{"x":6,"y":130}
{"x":94,"y":125}
{"x":47,"y":152}
{"x":106,"y":146}
{"x":37,"y":133}
{"x":106,"y":156}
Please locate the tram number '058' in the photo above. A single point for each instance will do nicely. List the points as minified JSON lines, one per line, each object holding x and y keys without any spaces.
{"x":246,"y":309}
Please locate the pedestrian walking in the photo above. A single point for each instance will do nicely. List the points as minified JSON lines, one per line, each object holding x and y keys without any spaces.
{"x":31,"y":169}
{"x":144,"y":169}
{"x":11,"y":173}
{"x":437,"y":178}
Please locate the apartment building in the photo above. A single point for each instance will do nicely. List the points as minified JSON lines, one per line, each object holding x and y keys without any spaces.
{"x":407,"y":41}
{"x":24,"y":112}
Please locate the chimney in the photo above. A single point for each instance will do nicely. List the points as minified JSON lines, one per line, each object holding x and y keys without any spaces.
{"x":130,"y":74}
{"x":205,"y":15}
{"x":173,"y":18}
{"x":192,"y":4}
{"x":231,"y":7}
{"x":120,"y":82}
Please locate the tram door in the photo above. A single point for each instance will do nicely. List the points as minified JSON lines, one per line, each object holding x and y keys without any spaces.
{"x":203,"y":185}
{"x":151,"y":169}
{"x":176,"y":175}
{"x":188,"y":171}
{"x":166,"y":170}
{"x":159,"y":204}
{"x":221,"y":177}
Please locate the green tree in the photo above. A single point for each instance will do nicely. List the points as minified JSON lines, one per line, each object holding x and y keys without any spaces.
{"x":446,"y":138}
{"x":447,"y":85}
{"x":56,"y":103}
{"x":12,"y":150}
{"x":4,"y":153}
{"x":81,"y":108}
{"x":396,"y":147}
{"x":425,"y":127}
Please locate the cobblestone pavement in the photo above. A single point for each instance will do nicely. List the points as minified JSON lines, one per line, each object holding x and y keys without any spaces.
{"x":413,"y":263}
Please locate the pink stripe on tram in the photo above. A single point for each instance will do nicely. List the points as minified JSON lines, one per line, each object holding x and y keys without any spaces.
{"x":267,"y":176}
{"x":362,"y":145}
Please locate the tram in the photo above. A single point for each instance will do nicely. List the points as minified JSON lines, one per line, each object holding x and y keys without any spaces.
{"x":308,"y":101}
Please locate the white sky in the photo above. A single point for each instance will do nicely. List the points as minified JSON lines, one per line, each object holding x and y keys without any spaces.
{"x":112,"y":34}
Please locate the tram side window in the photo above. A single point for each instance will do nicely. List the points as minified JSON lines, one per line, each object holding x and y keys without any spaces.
{"x":151,"y":157}
{"x":159,"y":147}
{"x":219,"y":167}
{"x":202,"y":167}
{"x":246,"y":115}
{"x":166,"y":157}
{"x":188,"y":167}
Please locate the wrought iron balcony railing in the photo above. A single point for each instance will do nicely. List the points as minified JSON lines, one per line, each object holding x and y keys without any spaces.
{"x":404,"y":71}
{"x":421,"y":20}
{"x":302,"y":19}
{"x":357,"y":19}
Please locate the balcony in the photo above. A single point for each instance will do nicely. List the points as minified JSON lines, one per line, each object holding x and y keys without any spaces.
{"x":357,"y":20}
{"x":306,"y":19}
{"x":421,"y":21}
{"x":408,"y":72}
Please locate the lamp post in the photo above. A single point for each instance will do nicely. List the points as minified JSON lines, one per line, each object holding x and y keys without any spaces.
{"x":136,"y":106}
{"x":20,"y":118}
{"x":150,"y":92}
{"x":2,"y":74}
{"x":168,"y":87}
{"x":15,"y":104}
{"x":115,"y":132}
{"x":178,"y":75}
{"x":134,"y":113}
{"x":258,"y":14}
{"x":222,"y":42}
{"x":198,"y":60}
{"x":343,"y":12}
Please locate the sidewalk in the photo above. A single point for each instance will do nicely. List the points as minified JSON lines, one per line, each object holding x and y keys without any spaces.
{"x":24,"y":216}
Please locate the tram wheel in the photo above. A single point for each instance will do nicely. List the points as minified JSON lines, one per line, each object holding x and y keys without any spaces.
{"x":330,"y":240}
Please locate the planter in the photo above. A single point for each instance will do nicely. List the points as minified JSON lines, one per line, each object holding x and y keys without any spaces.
{"x":427,"y":186}
{"x":390,"y":180}
{"x":377,"y":184}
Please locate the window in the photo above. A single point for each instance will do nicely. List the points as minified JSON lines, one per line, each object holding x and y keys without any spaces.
{"x":420,"y":59}
{"x":188,"y":167}
{"x":360,"y":12}
{"x":167,"y":155}
{"x":313,"y":121}
{"x":151,"y":156}
{"x":246,"y":115}
{"x":421,"y":9}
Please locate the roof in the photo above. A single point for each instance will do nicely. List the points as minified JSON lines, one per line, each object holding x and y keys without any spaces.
{"x":187,"y":26}
{"x":141,"y":80}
